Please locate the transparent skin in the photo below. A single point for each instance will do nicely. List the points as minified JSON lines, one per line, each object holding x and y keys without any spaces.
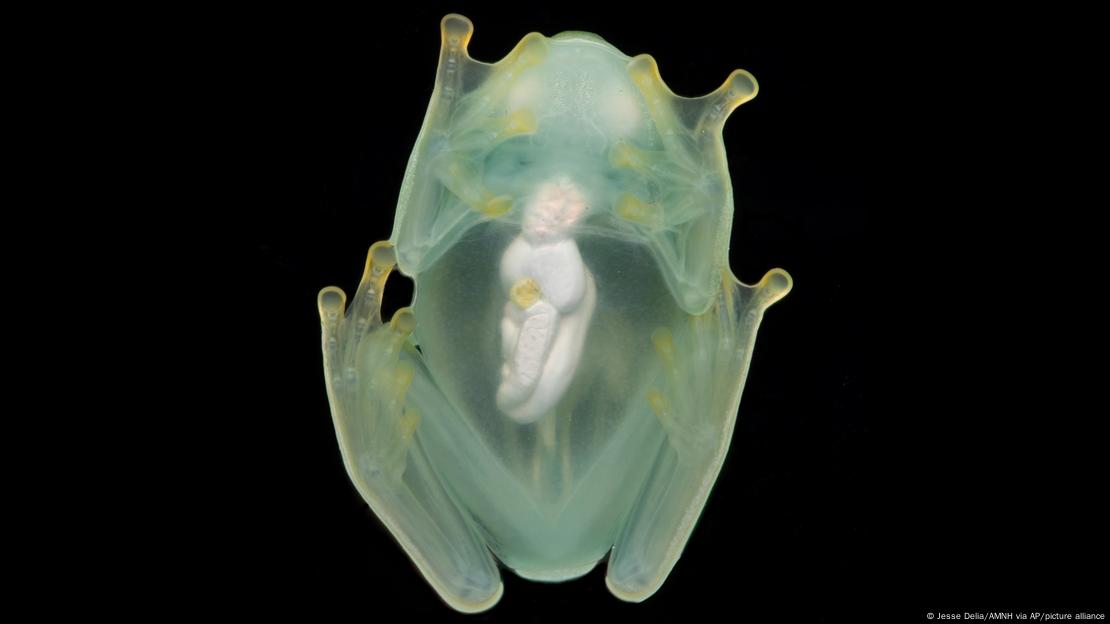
{"x":582,"y":341}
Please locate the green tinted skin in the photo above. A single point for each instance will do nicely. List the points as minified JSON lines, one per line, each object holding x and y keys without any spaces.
{"x":566,"y":219}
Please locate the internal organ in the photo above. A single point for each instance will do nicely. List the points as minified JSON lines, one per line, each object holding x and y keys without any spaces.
{"x":552,"y":297}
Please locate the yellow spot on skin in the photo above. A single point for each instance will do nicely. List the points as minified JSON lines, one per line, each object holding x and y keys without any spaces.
{"x":627,"y":156}
{"x":623,"y":156}
{"x":402,"y":379}
{"x":631,"y":208}
{"x":525,"y":292}
{"x":664,"y":345}
{"x":408,"y":423}
{"x":497,"y":206}
{"x":520,"y":122}
{"x":659,"y":405}
{"x":464,"y":180}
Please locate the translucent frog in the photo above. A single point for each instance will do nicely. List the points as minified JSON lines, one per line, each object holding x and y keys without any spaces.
{"x":566,"y":382}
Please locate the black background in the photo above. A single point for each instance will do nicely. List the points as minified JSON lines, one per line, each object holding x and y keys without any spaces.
{"x":822,"y":512}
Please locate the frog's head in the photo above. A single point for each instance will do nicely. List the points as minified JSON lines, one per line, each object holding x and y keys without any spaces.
{"x":499,"y":137}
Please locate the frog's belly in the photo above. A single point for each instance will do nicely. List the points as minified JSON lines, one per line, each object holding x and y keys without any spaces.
{"x":550,"y":496}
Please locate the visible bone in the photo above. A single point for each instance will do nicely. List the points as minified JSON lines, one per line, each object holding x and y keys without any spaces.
{"x":380,"y":261}
{"x":624,"y":155}
{"x":715,"y":107}
{"x":455,"y":33}
{"x":704,"y":115}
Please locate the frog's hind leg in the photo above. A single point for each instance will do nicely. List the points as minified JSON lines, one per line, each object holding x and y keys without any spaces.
{"x":379,"y":386}
{"x":702,"y":362}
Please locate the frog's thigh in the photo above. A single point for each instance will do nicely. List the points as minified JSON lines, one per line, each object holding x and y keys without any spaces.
{"x":379,"y":387}
{"x":659,"y":526}
{"x":703,"y":361}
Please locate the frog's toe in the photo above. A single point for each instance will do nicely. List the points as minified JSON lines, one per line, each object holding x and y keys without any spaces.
{"x":631,"y":581}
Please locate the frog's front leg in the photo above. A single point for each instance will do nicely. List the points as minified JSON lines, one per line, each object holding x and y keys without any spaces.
{"x":702,"y":363}
{"x":379,"y":386}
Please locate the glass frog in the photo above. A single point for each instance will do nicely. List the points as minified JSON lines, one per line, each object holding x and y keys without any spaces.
{"x":565,"y":384}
